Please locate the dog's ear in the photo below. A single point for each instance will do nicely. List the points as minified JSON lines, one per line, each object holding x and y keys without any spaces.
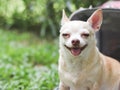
{"x":95,"y":19}
{"x":64,"y":18}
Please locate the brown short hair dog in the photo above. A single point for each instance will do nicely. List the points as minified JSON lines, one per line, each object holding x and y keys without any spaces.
{"x":81,"y":65}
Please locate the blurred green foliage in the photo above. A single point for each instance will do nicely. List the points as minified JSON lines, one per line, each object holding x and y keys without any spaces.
{"x":39,"y":16}
{"x":26,"y":62}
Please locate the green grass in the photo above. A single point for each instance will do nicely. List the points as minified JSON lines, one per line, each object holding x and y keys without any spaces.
{"x":26,"y":62}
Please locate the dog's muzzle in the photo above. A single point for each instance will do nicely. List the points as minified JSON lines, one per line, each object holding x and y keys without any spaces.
{"x":76,"y":50}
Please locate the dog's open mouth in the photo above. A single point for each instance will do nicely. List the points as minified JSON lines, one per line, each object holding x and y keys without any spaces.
{"x":76,"y":50}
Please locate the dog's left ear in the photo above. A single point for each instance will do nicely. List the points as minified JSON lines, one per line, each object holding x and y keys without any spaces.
{"x":95,"y":19}
{"x":64,"y":18}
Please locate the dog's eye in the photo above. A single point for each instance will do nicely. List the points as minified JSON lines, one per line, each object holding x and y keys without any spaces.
{"x":85,"y":35}
{"x":66,"y":35}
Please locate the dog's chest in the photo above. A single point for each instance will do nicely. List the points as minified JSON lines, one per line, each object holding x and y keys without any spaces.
{"x":76,"y":81}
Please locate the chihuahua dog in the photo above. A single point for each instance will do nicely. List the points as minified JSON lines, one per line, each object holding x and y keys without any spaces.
{"x":81,"y":65}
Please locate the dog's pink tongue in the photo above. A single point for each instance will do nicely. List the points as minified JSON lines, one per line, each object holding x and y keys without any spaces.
{"x":75,"y":51}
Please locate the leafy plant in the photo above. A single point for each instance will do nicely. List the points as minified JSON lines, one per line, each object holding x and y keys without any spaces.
{"x":39,"y":16}
{"x":26,"y":62}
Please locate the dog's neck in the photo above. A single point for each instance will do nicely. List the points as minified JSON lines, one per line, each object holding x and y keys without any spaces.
{"x":90,"y":57}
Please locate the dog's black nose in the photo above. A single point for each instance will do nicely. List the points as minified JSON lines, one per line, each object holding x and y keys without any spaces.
{"x":76,"y":42}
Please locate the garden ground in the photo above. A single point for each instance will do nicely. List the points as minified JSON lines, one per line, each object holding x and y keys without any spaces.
{"x":27,"y":62}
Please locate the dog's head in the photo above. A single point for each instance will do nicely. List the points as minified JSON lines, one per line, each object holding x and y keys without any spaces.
{"x":77,"y":36}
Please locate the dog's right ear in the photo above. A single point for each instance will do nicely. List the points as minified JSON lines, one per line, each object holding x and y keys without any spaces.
{"x":95,"y":19}
{"x":64,"y":18}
